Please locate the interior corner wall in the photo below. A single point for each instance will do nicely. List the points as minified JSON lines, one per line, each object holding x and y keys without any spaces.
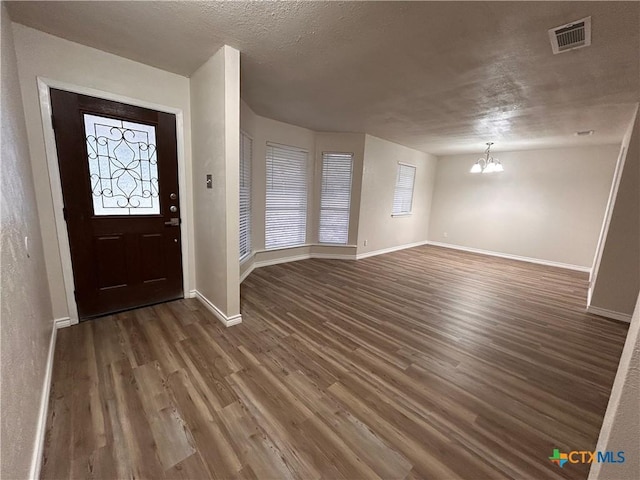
{"x":215,"y":119}
{"x":547,"y":205}
{"x":44,"y":55}
{"x":376,"y":226}
{"x":616,"y":278}
{"x":263,"y":130}
{"x":621,"y":424}
{"x":26,"y":316}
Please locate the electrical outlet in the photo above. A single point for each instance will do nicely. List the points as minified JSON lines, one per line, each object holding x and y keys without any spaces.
{"x":445,"y":234}
{"x":366,"y":242}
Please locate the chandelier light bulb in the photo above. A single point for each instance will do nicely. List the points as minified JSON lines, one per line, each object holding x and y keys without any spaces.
{"x":487,"y":164}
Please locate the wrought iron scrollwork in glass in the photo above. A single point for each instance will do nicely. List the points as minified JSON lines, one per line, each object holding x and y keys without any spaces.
{"x":123,"y":166}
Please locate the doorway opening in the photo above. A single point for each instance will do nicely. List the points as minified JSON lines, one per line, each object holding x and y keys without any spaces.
{"x":119,"y":177}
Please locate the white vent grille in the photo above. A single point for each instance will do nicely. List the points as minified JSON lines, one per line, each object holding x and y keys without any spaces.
{"x":571,"y":36}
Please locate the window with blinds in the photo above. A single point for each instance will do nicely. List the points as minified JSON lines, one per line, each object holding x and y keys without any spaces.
{"x":335,"y":199}
{"x":403,"y":194}
{"x":287,"y":188}
{"x":246,"y":153}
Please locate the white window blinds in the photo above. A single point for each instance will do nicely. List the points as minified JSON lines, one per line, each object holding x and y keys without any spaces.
{"x":403,"y":194}
{"x":335,"y":200}
{"x":246,"y":153}
{"x":286,"y":206}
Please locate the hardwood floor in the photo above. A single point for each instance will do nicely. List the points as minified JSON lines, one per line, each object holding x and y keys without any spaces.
{"x":424,"y":363}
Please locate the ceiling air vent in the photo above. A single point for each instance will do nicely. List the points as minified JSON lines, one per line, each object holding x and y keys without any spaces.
{"x":571,"y":36}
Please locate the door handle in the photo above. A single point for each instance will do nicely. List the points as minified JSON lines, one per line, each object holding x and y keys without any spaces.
{"x":173,"y":222}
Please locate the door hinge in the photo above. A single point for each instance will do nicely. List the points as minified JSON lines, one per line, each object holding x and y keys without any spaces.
{"x":64,"y":214}
{"x":53,"y":121}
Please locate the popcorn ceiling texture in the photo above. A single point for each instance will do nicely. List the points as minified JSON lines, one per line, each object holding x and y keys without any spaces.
{"x":26,"y":317}
{"x":439,"y":77}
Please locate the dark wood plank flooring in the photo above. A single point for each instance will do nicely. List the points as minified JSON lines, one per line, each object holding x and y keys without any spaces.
{"x":424,"y":363}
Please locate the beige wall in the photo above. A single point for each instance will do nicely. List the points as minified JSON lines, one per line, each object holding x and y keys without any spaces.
{"x":40,"y":54}
{"x":263,"y":130}
{"x":215,"y":110}
{"x":621,"y":422}
{"x":616,"y":275}
{"x":25,"y":316}
{"x":376,"y":225}
{"x":547,"y":204}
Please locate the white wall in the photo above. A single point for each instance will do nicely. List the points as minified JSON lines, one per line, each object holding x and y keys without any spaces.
{"x":621,"y":424}
{"x":26,"y":319}
{"x":376,"y":225}
{"x":215,"y":109}
{"x":616,"y":275}
{"x":263,"y":130}
{"x":374,"y":177}
{"x":40,"y":54}
{"x":547,"y":204}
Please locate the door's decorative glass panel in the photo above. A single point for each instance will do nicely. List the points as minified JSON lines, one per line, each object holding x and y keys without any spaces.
{"x":123,"y":166}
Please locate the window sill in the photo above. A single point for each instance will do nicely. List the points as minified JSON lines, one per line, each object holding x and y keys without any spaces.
{"x":406,"y":214}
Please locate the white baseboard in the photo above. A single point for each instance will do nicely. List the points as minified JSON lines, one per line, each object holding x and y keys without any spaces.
{"x":226,"y":321}
{"x":324,"y":256}
{"x":295,"y":258}
{"x":391,"y":249}
{"x":63,"y":322}
{"x":548,"y":263}
{"x":36,"y":459}
{"x":276,"y":261}
{"x":603,"y":312}
{"x":248,"y":260}
{"x":304,"y":256}
{"x":247,"y":272}
{"x":334,"y":256}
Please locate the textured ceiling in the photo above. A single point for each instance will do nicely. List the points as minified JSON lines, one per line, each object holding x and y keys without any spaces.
{"x":442,"y":77}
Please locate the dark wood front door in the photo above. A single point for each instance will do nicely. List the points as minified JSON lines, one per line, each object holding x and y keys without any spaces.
{"x":119,"y":173}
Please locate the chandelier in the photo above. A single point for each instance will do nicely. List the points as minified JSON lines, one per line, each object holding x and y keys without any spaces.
{"x":487,"y":164}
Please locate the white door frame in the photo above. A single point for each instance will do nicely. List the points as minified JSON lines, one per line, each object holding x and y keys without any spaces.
{"x":56,"y":187}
